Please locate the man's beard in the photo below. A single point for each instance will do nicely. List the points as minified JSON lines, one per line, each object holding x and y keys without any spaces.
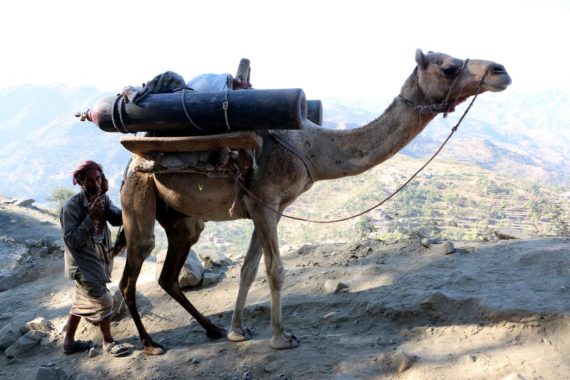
{"x":93,"y":192}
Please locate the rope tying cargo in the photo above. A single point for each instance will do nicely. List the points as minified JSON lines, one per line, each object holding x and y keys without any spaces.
{"x":121,"y":127}
{"x":186,"y":111}
{"x":225,"y":106}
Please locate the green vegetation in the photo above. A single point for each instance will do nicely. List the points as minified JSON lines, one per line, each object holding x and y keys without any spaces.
{"x":57,"y":198}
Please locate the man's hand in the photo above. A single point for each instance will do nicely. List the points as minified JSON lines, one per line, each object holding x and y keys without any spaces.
{"x":97,"y":209}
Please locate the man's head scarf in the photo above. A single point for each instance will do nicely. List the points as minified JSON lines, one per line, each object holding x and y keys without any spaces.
{"x":84,"y":167}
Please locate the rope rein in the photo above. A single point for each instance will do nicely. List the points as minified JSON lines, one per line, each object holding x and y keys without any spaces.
{"x":453,"y":130}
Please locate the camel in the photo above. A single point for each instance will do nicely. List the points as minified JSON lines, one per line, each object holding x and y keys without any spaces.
{"x":182,"y":202}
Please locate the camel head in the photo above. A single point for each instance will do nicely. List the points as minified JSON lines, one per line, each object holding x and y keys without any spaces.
{"x":440,"y":74}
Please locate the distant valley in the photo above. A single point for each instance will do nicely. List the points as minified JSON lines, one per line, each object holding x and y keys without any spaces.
{"x":506,"y":136}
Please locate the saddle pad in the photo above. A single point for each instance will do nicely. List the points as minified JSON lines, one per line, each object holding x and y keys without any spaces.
{"x":235,"y":140}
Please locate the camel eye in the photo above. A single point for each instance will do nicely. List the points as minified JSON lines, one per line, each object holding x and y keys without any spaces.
{"x":450,"y":71}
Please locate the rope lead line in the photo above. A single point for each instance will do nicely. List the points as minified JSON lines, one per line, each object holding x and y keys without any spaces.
{"x":453,"y":130}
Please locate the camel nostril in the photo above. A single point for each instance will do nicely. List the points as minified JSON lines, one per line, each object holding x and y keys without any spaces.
{"x":497,"y":69}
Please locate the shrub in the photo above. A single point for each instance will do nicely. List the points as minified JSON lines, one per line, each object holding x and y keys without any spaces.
{"x":58,"y":196}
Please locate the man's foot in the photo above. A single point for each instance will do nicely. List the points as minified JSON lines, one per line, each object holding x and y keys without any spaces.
{"x":78,"y":346}
{"x":118,"y":349}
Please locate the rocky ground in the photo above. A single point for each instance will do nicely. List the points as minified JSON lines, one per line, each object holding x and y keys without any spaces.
{"x":408,"y":309}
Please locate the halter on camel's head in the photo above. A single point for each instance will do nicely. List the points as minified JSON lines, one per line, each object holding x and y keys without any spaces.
{"x":445,"y":81}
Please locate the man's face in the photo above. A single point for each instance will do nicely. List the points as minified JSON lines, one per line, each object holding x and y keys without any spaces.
{"x":91,"y":183}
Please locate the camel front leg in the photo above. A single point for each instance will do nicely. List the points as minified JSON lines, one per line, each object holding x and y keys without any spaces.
{"x":249,"y":268}
{"x":139,"y":209}
{"x":266,"y":225}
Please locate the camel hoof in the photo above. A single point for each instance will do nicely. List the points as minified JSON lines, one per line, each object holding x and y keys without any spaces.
{"x":240,"y":335}
{"x":154,"y":350}
{"x":284,"y":341}
{"x":216,"y":333}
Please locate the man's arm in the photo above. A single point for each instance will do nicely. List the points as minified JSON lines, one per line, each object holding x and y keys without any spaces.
{"x":113,"y":214}
{"x":76,"y":231}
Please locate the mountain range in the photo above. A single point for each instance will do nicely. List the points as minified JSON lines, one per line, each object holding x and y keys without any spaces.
{"x":41,"y":140}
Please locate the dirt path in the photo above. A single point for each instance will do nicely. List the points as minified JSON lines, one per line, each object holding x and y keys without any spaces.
{"x":487,"y":311}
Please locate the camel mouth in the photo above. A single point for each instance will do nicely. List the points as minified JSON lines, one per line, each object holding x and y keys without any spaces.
{"x":498,"y":79}
{"x":496,"y":87}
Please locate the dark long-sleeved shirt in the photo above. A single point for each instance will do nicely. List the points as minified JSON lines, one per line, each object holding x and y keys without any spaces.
{"x":78,"y":229}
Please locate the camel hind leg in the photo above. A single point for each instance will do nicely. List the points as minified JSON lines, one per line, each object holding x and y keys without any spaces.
{"x":182,"y":232}
{"x":138,"y":202}
{"x":249,"y":269}
{"x":265,"y":222}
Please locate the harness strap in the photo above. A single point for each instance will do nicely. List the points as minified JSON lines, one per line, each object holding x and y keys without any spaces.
{"x":296,"y":152}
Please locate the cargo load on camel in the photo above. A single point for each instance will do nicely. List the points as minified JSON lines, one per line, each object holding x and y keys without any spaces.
{"x":206,"y":125}
{"x":209,"y":104}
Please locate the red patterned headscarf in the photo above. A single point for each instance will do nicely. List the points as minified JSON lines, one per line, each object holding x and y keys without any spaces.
{"x":84,"y":167}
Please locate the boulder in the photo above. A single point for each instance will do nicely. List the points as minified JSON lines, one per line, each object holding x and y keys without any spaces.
{"x":120,"y":309}
{"x":40,"y":324}
{"x":52,"y":242}
{"x":8,"y":335}
{"x":50,"y":339}
{"x":511,"y":233}
{"x":305,"y":249}
{"x":50,"y":373}
{"x":210,"y":278}
{"x":9,"y":280}
{"x":216,"y":259}
{"x":447,"y":248}
{"x":441,"y":247}
{"x":191,"y":273}
{"x":25,"y":343}
{"x":31,"y":243}
{"x":427,"y":242}
{"x":334,"y":286}
{"x":25,"y":202}
{"x":41,"y":251}
{"x":5,"y":319}
{"x":401,"y":361}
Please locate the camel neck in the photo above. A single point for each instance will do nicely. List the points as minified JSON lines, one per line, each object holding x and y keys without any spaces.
{"x":337,"y":154}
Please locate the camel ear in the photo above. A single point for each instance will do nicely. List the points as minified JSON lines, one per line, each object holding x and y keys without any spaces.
{"x":420,"y":58}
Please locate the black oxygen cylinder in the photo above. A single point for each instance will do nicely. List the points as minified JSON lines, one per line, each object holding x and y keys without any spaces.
{"x":201,"y":113}
{"x":315,"y":111}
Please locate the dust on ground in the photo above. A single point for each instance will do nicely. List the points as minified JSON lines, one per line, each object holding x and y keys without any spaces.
{"x":488,"y":311}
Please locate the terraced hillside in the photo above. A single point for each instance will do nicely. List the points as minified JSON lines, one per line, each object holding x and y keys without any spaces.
{"x":449,"y":200}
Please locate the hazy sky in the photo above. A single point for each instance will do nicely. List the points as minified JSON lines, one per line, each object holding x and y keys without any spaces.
{"x":356,"y":49}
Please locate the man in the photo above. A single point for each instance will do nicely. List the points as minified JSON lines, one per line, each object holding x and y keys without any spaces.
{"x":88,"y":257}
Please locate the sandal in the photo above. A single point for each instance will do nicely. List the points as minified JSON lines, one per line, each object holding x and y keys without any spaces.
{"x":78,"y":346}
{"x":118,"y":349}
